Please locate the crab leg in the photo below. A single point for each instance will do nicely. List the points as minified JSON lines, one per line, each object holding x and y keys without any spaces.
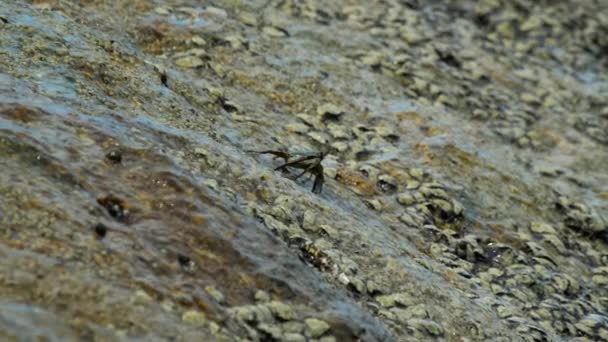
{"x":296,"y":161}
{"x":308,"y":169}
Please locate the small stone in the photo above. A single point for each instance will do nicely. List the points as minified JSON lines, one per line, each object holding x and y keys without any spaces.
{"x":248,"y":18}
{"x":198,"y":40}
{"x":412,"y":184}
{"x":338,"y":131}
{"x":329,"y":111}
{"x":294,"y":337}
{"x":591,"y":322}
{"x":189,"y":62}
{"x":194,"y":318}
{"x":320,"y":137}
{"x":375,"y":204}
{"x":275,"y":32}
{"x":327,"y":339}
{"x":532,"y":23}
{"x":411,"y":36}
{"x":549,"y":171}
{"x":212,"y":184}
{"x":343,"y":278}
{"x":406,"y":199}
{"x":215,"y":294}
{"x":555,"y":242}
{"x":273,"y":331}
{"x":504,"y":311}
{"x":216,"y":12}
{"x":308,"y":221}
{"x":427,"y":326}
{"x":262,"y":313}
{"x":245,"y":313}
{"x":162,"y":10}
{"x":599,"y":280}
{"x":374,"y":288}
{"x":235,"y":41}
{"x":395,"y":299}
{"x":299,"y":128}
{"x":281,"y":310}
{"x":542,"y":228}
{"x":340,"y":146}
{"x":373,"y":59}
{"x":316,"y":327}
{"x":530,"y":98}
{"x":329,"y":230}
{"x":357,"y":285}
{"x":293,"y":327}
{"x":408,"y":220}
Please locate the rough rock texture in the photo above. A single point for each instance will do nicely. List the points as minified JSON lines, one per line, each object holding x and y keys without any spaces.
{"x":466,"y":186}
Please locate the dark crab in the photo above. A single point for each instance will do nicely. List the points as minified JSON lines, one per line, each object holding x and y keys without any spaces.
{"x":309,"y":162}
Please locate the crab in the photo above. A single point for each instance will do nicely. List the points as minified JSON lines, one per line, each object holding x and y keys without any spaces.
{"x":309,"y":162}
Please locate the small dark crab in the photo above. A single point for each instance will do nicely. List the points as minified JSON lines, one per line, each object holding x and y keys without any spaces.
{"x":309,"y":162}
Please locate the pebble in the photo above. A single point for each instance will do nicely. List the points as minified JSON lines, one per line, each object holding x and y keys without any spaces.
{"x":330,"y":111}
{"x":281,"y":310}
{"x":248,"y":18}
{"x":406,"y":199}
{"x":542,"y":228}
{"x":294,"y":337}
{"x":189,"y":62}
{"x":195,"y":318}
{"x":215,"y":294}
{"x":275,"y":32}
{"x":391,"y":300}
{"x":299,"y":128}
{"x":428,"y":326}
{"x":261,"y":296}
{"x":316,"y":327}
{"x":308,"y":221}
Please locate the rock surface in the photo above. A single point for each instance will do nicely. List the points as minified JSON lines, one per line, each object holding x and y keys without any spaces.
{"x":465,"y":195}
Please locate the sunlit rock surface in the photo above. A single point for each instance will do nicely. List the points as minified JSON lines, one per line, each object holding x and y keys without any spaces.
{"x":465,"y":192}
